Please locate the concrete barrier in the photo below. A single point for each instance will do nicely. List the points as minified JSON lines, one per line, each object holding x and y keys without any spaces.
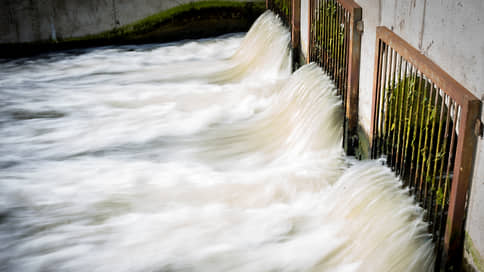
{"x":32,"y":26}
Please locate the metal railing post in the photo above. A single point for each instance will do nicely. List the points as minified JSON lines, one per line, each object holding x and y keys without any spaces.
{"x":310,"y":30}
{"x":454,"y":234}
{"x":356,"y":29}
{"x":295,"y":30}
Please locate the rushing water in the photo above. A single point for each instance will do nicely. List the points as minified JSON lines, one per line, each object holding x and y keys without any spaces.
{"x":201,"y":155}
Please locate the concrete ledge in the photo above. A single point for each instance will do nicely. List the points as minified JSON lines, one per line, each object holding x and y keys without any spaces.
{"x":187,"y":21}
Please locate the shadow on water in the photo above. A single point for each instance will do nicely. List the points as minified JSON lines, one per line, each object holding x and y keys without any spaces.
{"x":28,"y":115}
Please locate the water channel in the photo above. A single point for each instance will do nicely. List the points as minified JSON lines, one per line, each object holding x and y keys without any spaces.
{"x":205,"y":155}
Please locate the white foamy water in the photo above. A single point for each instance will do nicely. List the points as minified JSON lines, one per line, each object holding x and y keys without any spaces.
{"x":203,"y":155}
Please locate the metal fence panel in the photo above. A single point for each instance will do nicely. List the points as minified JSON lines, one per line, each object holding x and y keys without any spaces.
{"x":423,"y":123}
{"x":334,"y":43}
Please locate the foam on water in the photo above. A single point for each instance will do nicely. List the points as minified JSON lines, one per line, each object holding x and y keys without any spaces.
{"x":111,"y":162}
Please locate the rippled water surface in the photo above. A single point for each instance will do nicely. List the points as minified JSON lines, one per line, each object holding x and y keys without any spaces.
{"x":205,"y":155}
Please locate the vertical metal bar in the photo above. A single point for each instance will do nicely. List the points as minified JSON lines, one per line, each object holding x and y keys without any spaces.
{"x":437,"y":158}
{"x":317,"y":39}
{"x":426,"y":148}
{"x":383,"y":103}
{"x":381,"y":99}
{"x":395,"y":111}
{"x":422,"y":141}
{"x":310,"y":31}
{"x":321,"y":31}
{"x":391,"y":96}
{"x":425,"y":179}
{"x":327,"y":29}
{"x":289,"y":12}
{"x":404,"y":119}
{"x":311,"y":26}
{"x":337,"y":44}
{"x":340,"y":49}
{"x":450,"y":160}
{"x":380,"y":48}
{"x":420,"y":135}
{"x":324,"y":33}
{"x":462,"y":175}
{"x":315,"y":20}
{"x":353,"y":80}
{"x":409,"y":120}
{"x":296,"y":31}
{"x":442,"y":162}
{"x":317,"y":8}
{"x":296,"y":23}
{"x":346,"y":58}
{"x":333,"y":40}
{"x":415,"y":152}
{"x":391,"y":87}
{"x":402,"y":85}
{"x":430,"y":182}
{"x":398,"y":110}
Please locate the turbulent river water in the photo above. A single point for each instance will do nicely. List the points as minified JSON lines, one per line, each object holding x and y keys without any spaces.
{"x":205,"y":155}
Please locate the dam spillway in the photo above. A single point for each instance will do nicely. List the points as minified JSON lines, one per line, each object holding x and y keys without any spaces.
{"x":206,"y":155}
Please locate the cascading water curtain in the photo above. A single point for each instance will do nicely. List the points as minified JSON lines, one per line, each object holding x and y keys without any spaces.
{"x":423,"y":124}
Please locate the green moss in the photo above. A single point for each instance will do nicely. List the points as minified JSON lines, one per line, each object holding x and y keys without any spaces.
{"x":415,"y":125}
{"x":412,"y":112}
{"x":152,"y":22}
{"x":471,"y":249}
{"x":362,"y":151}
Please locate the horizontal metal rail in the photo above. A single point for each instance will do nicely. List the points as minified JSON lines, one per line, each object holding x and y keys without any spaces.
{"x":423,"y":122}
{"x":335,"y":28}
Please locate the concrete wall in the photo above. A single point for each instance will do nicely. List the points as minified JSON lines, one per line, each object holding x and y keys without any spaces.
{"x":450,"y":33}
{"x":34,"y":20}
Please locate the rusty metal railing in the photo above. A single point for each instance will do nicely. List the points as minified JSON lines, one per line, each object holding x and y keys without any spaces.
{"x":424,"y":122}
{"x":334,"y":43}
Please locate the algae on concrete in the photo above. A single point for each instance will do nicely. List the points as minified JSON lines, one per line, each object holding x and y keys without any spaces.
{"x":473,"y":254}
{"x":186,"y":21}
{"x":152,"y":22}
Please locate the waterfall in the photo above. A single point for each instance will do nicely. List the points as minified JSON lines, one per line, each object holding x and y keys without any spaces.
{"x":207,"y":155}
